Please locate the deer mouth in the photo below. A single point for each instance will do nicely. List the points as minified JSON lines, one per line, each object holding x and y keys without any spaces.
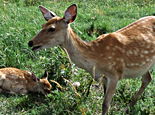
{"x":36,"y":48}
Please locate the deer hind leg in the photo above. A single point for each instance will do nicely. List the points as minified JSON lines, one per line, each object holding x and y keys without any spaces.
{"x":18,"y":92}
{"x":17,"y":89}
{"x":146,"y":79}
{"x":111,"y":88}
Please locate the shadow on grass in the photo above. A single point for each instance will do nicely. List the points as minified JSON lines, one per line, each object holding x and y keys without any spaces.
{"x":23,"y":103}
{"x":37,"y":103}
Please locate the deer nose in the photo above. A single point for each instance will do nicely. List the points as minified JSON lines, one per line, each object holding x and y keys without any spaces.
{"x":30,"y":43}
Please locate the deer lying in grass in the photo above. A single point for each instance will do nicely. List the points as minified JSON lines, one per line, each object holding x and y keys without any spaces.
{"x":126,"y":53}
{"x":18,"y":81}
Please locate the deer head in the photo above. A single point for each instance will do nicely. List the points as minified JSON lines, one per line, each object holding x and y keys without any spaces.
{"x":53,"y":32}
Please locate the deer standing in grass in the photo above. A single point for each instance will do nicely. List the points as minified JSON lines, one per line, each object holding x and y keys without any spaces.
{"x":126,"y":53}
{"x":17,"y":81}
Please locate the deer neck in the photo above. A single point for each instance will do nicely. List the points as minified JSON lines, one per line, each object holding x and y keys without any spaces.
{"x":77,"y":49}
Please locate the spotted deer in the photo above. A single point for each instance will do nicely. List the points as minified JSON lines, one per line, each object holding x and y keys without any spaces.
{"x":126,"y":53}
{"x":16,"y":81}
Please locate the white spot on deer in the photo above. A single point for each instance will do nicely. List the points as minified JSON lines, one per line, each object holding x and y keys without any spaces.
{"x":146,"y":39}
{"x":135,"y":53}
{"x":154,"y":57}
{"x":107,"y":47}
{"x":145,"y":52}
{"x":113,"y":54}
{"x":15,"y":78}
{"x":13,"y":71}
{"x":143,"y":63}
{"x":148,"y":46}
{"x":149,"y":34}
{"x":130,"y":52}
{"x":117,"y":59}
{"x":114,"y":63}
{"x":121,"y":60}
{"x":26,"y":81}
{"x":147,"y":59}
{"x":10,"y":72}
{"x":152,"y":51}
{"x":128,"y":64}
{"x":127,"y":53}
{"x":2,"y":76}
{"x":109,"y":57}
{"x":136,"y":64}
{"x":141,"y":55}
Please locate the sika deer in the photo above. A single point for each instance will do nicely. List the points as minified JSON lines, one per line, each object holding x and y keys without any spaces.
{"x":21,"y":82}
{"x":126,"y":53}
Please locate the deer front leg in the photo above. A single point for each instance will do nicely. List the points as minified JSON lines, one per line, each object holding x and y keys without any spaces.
{"x":146,"y":79}
{"x":111,"y":87}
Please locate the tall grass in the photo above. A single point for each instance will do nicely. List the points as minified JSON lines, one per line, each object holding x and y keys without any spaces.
{"x":21,"y":20}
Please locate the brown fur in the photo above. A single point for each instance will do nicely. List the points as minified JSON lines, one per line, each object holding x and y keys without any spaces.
{"x":126,"y":53}
{"x":18,"y":81}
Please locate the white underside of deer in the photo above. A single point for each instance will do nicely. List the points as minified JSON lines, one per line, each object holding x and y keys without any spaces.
{"x":126,"y":53}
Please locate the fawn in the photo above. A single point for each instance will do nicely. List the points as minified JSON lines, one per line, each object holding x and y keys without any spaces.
{"x":126,"y":53}
{"x":17,"y":81}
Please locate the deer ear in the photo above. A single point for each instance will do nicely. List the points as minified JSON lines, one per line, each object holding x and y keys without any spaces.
{"x":47,"y":13}
{"x":45,"y":76}
{"x":35,"y":78}
{"x":70,"y":13}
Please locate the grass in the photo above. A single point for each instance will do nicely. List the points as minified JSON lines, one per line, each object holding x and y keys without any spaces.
{"x":21,"y":20}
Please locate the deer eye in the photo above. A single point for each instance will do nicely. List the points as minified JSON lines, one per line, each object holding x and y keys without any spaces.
{"x":51,"y":29}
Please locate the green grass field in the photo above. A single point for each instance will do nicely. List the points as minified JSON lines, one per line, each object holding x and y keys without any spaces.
{"x":21,"y":20}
